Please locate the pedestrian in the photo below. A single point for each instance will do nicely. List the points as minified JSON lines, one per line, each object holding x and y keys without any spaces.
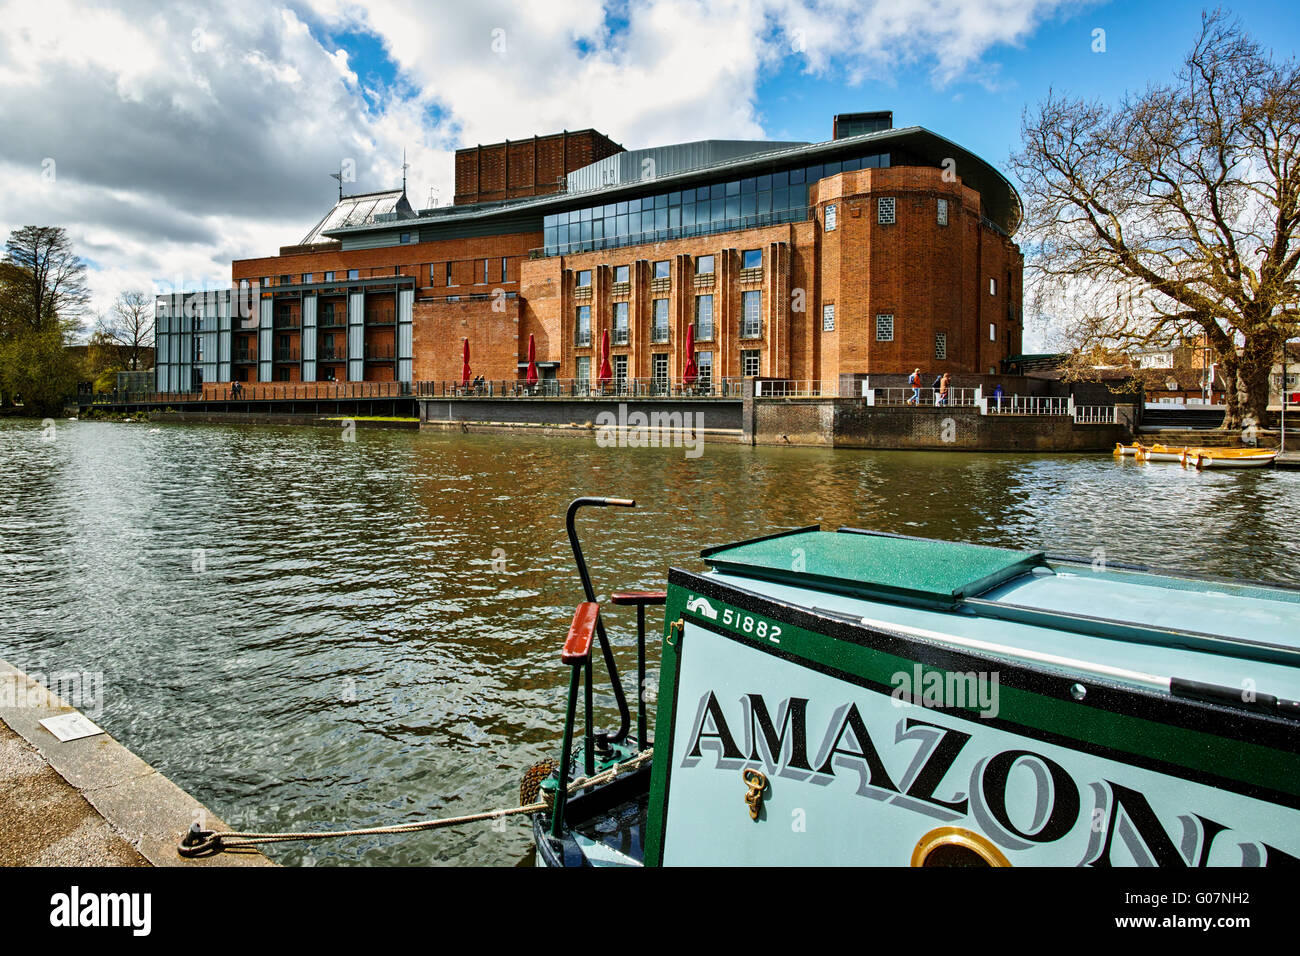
{"x":934,"y":388}
{"x":914,"y":380}
{"x":943,"y":390}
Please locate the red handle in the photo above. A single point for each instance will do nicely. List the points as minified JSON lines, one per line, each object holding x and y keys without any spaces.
{"x":577,"y":646}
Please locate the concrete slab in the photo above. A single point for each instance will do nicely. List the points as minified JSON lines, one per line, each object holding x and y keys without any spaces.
{"x":88,"y":800}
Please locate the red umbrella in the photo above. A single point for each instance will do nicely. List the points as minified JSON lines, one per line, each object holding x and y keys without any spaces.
{"x":464,"y":372}
{"x":690,"y":373}
{"x":532,"y":359}
{"x":606,"y":373}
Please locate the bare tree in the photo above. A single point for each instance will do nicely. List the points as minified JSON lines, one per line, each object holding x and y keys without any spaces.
{"x":51,"y":277}
{"x":130,"y":326}
{"x":1176,"y":212}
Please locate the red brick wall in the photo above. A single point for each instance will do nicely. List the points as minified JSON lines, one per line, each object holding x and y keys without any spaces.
{"x":526,"y":167}
{"x":440,"y":328}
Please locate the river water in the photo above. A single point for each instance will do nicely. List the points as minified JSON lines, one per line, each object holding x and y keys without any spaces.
{"x":308,"y":632}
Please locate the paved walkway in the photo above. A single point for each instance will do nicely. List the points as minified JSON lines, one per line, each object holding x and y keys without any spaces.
{"x":45,"y":821}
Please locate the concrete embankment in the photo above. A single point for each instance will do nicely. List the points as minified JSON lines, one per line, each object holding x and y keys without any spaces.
{"x":86,"y":802}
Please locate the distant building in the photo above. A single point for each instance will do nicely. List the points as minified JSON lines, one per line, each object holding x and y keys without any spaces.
{"x":877,"y":251}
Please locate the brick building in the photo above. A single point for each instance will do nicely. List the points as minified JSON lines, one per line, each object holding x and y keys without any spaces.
{"x":875,"y":252}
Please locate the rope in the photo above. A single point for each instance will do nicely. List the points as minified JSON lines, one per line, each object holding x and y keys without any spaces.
{"x":206,"y":842}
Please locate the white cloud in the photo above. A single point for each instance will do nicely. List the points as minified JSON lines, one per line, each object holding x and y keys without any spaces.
{"x":185,"y":135}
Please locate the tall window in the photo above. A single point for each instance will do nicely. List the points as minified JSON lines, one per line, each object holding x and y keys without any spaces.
{"x":993,"y":332}
{"x":620,"y":273}
{"x":620,"y":372}
{"x":749,"y":362}
{"x":885,"y":210}
{"x":329,"y":277}
{"x":941,"y":345}
{"x":704,"y":318}
{"x":993,"y":286}
{"x":584,"y":278}
{"x":704,"y":265}
{"x":751,"y":312}
{"x":828,"y":318}
{"x":449,"y":282}
{"x":486,"y":280}
{"x":620,"y":323}
{"x":306,"y":277}
{"x":830,"y":218}
{"x":582,"y":328}
{"x":659,"y":370}
{"x":704,"y":363}
{"x":584,"y":371}
{"x":659,"y":332}
{"x":503,"y":268}
{"x":884,"y":328}
{"x":661,"y":269}
{"x":751,"y":259}
{"x":942,"y":214}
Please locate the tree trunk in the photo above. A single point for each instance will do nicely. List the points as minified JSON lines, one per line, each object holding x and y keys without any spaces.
{"x":1253,"y":374}
{"x":1231,"y":393}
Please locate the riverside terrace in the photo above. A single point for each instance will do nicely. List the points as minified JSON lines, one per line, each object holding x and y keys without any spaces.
{"x":856,"y":413}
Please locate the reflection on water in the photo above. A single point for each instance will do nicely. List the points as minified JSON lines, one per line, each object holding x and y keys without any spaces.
{"x":306,"y":632}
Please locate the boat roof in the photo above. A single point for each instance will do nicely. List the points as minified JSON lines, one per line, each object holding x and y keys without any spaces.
{"x":1031,"y":606}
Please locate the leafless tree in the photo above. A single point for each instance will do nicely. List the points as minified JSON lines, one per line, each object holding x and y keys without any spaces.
{"x":1176,"y":213}
{"x":49,"y":276}
{"x":130,"y":326}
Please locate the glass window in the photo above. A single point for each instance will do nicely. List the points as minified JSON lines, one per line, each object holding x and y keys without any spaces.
{"x":993,"y":286}
{"x":830,"y":218}
{"x":733,"y":188}
{"x":941,"y":215}
{"x":828,"y":318}
{"x":751,"y":311}
{"x":661,"y":269}
{"x":406,"y":237}
{"x":659,"y":368}
{"x":884,"y":328}
{"x":993,"y":332}
{"x":704,"y":364}
{"x":703,"y":265}
{"x":583,"y":365}
{"x":749,"y":362}
{"x":582,"y":328}
{"x":354,"y":274}
{"x":306,"y":277}
{"x":704,"y":318}
{"x":621,"y":274}
{"x":449,"y":282}
{"x":659,"y":332}
{"x":751,"y":259}
{"x":329,"y":277}
{"x":584,"y":278}
{"x":620,"y":323}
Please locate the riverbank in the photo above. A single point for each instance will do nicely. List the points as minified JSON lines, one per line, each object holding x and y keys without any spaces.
{"x":86,"y":802}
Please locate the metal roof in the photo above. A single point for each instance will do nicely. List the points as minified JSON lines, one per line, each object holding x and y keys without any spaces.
{"x":360,"y":210}
{"x":1001,"y":202}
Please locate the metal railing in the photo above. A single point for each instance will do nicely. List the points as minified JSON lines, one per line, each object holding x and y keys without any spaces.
{"x":261,"y":392}
{"x":286,"y":355}
{"x":379,"y":353}
{"x":582,"y":388}
{"x":1028,"y":405}
{"x":956,"y":397}
{"x":1094,"y":414}
{"x":287,"y":322}
{"x":245,"y":355}
{"x":381,"y":317}
{"x":331,"y":355}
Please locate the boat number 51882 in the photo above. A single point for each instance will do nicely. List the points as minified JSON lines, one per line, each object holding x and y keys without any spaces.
{"x":751,"y":625}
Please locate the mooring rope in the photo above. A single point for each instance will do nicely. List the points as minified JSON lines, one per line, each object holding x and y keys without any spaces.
{"x":206,"y":842}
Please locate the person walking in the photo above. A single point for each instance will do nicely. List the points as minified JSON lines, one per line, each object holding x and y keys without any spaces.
{"x":914,"y":380}
{"x":942,"y":398}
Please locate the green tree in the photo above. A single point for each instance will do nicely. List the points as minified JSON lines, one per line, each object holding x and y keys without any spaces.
{"x":37,"y":370}
{"x":48,"y":277}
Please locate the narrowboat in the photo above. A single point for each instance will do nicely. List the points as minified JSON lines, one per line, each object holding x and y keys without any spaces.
{"x":854,"y":697}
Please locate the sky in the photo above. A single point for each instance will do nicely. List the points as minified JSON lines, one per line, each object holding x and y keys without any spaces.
{"x":170,"y":137}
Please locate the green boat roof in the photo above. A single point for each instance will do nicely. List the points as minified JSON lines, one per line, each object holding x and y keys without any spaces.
{"x":867,"y":564}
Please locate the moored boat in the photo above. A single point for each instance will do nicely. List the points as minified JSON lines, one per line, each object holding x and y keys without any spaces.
{"x":1160,"y":452}
{"x":1122,"y":450}
{"x":855,"y":697}
{"x":1231,"y":457}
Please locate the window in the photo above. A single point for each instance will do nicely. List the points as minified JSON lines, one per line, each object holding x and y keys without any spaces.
{"x":329,"y":277}
{"x":703,"y":265}
{"x":306,"y":277}
{"x":830,"y":218}
{"x":582,"y":328}
{"x":449,"y":282}
{"x":828,"y":318}
{"x":620,"y":273}
{"x":704,"y":318}
{"x":503,"y":268}
{"x":751,"y":259}
{"x":885,"y":210}
{"x":704,"y":364}
{"x":749,"y":362}
{"x":584,"y":279}
{"x":659,"y":332}
{"x":884,"y":328}
{"x":661,"y":269}
{"x":659,"y":370}
{"x":942,"y":213}
{"x":620,"y":372}
{"x":751,"y":312}
{"x":284,"y":280}
{"x":993,"y":332}
{"x":620,"y":323}
{"x":486,"y":280}
{"x":266,"y":281}
{"x":941,"y":345}
{"x":406,"y":237}
{"x":993,"y":286}
{"x":354,"y":274}
{"x":584,"y":371}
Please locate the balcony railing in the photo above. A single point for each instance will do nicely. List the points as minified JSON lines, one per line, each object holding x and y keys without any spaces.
{"x":331,"y":354}
{"x":287,"y":322}
{"x":244,"y":356}
{"x":659,"y":334}
{"x":379,"y":353}
{"x":333,"y":320}
{"x":654,"y":387}
{"x":751,"y":330}
{"x":381,"y":317}
{"x":620,"y":336}
{"x":704,"y":331}
{"x":286,"y":355}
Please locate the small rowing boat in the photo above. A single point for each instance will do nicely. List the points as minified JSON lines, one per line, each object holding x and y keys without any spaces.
{"x":1229,"y":457}
{"x":1160,"y":453}
{"x":1122,"y":450}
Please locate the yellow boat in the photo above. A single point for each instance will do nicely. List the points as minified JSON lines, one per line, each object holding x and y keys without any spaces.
{"x":1229,"y":457}
{"x":1160,"y":453}
{"x":1122,"y":450}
